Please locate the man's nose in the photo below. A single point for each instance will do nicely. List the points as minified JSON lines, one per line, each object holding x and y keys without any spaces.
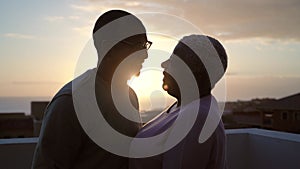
{"x":165,"y":64}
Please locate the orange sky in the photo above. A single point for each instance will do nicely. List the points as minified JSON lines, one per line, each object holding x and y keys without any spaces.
{"x":39,"y":50}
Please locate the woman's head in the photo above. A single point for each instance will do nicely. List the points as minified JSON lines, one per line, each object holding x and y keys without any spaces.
{"x":203,"y":55}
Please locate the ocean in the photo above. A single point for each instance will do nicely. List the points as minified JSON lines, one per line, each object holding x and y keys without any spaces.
{"x":19,"y":104}
{"x":23,"y":105}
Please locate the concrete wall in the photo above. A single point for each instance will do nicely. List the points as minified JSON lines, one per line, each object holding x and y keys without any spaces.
{"x":261,"y":149}
{"x":237,"y":149}
{"x":246,"y":149}
{"x":276,"y":150}
{"x":16,"y":153}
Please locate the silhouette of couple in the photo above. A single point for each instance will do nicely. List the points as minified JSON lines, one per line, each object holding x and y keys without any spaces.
{"x":187,"y":135}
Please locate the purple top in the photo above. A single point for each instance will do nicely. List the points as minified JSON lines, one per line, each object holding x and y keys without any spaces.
{"x":188,"y":153}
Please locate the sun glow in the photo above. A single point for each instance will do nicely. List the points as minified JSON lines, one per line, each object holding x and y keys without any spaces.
{"x":148,"y":85}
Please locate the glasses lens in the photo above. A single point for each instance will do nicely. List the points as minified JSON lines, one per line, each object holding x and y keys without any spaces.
{"x":148,"y":44}
{"x":145,"y":45}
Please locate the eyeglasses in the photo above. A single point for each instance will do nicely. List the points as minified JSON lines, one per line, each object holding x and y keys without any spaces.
{"x":143,"y":45}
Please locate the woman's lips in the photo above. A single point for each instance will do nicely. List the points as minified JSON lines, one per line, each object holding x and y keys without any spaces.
{"x":164,"y":73}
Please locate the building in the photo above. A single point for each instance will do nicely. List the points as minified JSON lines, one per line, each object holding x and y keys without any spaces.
{"x":275,"y":114}
{"x":37,"y":113}
{"x":19,"y":125}
{"x":15,"y":125}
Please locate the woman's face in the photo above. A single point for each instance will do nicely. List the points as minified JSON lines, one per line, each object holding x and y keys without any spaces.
{"x":171,"y":72}
{"x":179,"y":79}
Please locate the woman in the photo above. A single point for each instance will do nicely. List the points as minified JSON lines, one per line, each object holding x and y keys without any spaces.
{"x":198,"y":62}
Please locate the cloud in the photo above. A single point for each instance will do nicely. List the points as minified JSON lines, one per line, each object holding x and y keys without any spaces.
{"x":74,"y":17}
{"x":249,"y":87}
{"x":136,"y":6}
{"x":228,"y":20}
{"x":133,"y":3}
{"x":84,"y":8}
{"x":61,"y":18}
{"x":36,"y":83}
{"x":84,"y":30}
{"x":54,"y":18}
{"x":19,"y":36}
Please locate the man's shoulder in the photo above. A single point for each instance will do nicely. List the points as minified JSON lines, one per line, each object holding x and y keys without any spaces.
{"x":62,"y":101}
{"x":65,"y":90}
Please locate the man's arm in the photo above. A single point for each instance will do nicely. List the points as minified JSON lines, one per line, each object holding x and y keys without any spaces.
{"x":60,"y":137}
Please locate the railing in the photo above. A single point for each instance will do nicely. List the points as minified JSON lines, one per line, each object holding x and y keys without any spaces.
{"x":262,"y":149}
{"x":17,"y":153}
{"x":246,"y":149}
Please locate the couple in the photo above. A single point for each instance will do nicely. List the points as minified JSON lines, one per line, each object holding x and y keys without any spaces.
{"x":71,"y":136}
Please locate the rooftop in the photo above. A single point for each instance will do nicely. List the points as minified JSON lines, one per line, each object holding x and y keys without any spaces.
{"x":246,"y":148}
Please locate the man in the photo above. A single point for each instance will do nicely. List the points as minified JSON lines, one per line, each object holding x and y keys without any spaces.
{"x":64,"y":143}
{"x":193,"y":135}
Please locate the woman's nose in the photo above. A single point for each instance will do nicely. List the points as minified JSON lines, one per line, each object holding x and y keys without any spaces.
{"x":165,"y":64}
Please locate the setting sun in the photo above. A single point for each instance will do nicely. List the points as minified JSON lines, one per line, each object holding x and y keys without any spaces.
{"x":148,"y":87}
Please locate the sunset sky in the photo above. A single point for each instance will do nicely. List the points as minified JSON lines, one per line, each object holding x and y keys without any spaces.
{"x":41,"y":41}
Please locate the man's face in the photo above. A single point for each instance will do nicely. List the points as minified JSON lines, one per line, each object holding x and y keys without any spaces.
{"x":136,"y":52}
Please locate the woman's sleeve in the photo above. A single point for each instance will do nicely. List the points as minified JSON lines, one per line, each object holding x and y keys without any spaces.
{"x":190,"y":154}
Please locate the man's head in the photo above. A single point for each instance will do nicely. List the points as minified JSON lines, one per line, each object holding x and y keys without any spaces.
{"x":117,"y":35}
{"x":205,"y":57}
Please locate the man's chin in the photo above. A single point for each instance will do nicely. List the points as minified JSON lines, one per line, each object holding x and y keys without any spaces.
{"x":137,"y":74}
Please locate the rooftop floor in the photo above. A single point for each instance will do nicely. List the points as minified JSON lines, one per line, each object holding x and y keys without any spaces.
{"x":246,"y":149}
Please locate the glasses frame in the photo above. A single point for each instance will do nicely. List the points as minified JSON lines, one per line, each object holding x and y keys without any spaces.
{"x":145,"y":45}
